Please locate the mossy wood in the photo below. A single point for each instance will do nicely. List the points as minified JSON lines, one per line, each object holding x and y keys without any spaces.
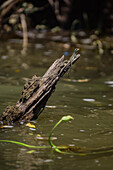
{"x":36,"y":93}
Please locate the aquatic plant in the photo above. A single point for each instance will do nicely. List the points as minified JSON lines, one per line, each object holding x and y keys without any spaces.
{"x":64,"y":118}
{"x":66,"y":149}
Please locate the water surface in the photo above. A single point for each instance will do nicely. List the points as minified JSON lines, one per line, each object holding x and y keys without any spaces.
{"x":85,"y":93}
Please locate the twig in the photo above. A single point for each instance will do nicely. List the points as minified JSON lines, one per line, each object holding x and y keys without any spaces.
{"x":51,"y":2}
{"x":24,"y":27}
{"x":6,"y":3}
{"x":8,"y":8}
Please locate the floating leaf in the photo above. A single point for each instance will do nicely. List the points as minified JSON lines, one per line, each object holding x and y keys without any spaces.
{"x":38,"y":135}
{"x":31,"y":151}
{"x":99,"y":105}
{"x":17,"y":71}
{"x":91,"y":68}
{"x":82,"y":154}
{"x":82,"y":80}
{"x":30,"y":125}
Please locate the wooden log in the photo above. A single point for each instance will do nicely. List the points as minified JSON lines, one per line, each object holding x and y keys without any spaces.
{"x":36,"y":92}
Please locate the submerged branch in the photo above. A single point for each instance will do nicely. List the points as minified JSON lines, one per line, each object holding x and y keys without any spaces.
{"x":24,"y":28}
{"x":36,"y":92}
{"x":7,"y":8}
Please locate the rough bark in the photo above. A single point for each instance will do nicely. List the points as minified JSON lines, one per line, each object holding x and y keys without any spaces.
{"x":36,"y":93}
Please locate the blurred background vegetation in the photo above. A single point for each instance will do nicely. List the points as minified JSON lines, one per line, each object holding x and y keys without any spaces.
{"x":77,"y":22}
{"x":67,"y":14}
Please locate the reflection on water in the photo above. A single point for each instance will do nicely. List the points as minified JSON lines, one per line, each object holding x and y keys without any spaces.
{"x":85,"y":93}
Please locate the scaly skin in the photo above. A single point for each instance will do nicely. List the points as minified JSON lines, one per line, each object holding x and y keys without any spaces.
{"x":74,"y":54}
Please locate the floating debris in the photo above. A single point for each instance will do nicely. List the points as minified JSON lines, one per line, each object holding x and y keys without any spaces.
{"x":17,"y":71}
{"x":48,"y":160}
{"x":32,"y":129}
{"x":45,"y":138}
{"x":51,"y":107}
{"x":6,"y":126}
{"x":82,"y":80}
{"x":109,"y":82}
{"x":30,"y":125}
{"x":82,"y":130}
{"x":4,"y":57}
{"x":89,"y":100}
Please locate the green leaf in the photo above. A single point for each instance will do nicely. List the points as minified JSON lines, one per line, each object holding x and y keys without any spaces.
{"x":67,"y":118}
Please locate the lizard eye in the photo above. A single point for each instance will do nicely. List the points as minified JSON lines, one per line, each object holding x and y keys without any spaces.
{"x":76,"y":49}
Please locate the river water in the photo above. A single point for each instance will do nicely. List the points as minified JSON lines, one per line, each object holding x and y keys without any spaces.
{"x":85,"y":93}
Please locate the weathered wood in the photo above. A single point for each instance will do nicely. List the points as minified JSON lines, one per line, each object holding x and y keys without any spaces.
{"x":36,"y":93}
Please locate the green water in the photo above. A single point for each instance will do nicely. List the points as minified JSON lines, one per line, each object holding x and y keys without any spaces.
{"x":85,"y":92}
